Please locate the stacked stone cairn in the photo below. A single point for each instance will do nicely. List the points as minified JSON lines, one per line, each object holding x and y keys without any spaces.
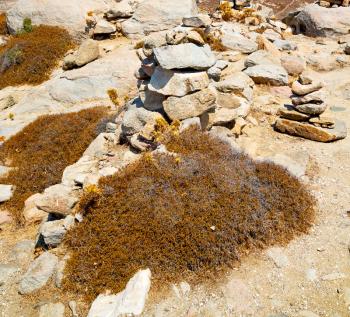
{"x":309,"y":117}
{"x":179,"y":80}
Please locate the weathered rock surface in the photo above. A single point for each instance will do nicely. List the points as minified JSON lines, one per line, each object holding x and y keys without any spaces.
{"x":309,"y":131}
{"x":312,"y":108}
{"x":104,"y":27}
{"x":293,"y":65}
{"x":260,"y":57}
{"x":238,"y":42}
{"x":197,"y":21}
{"x":6,"y":272}
{"x":268,"y":74}
{"x":68,"y":14}
{"x":6,"y":192}
{"x":38,"y":274}
{"x":314,"y":20}
{"x":177,"y":83}
{"x":121,"y":9}
{"x":158,"y":15}
{"x":130,"y":301}
{"x":302,"y":90}
{"x":186,"y":55}
{"x":289,"y":112}
{"x":318,"y":96}
{"x":179,"y":108}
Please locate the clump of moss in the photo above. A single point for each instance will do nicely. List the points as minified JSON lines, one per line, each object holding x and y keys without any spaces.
{"x":40,"y":49}
{"x":183,"y":216}
{"x":43,"y":149}
{"x":3,"y":24}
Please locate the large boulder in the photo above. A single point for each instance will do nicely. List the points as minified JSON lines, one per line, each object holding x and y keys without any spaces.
{"x":315,"y":20}
{"x":157,"y":15}
{"x":68,"y":14}
{"x":185,"y":56}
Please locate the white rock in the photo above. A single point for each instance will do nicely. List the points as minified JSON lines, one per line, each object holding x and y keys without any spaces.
{"x":268,"y":74}
{"x":88,"y":51}
{"x":186,"y":55}
{"x":104,"y":27}
{"x":130,"y":301}
{"x":260,"y":57}
{"x":237,"y":42}
{"x":6,"y":192}
{"x":177,"y":83}
{"x":121,"y":9}
{"x":38,"y":274}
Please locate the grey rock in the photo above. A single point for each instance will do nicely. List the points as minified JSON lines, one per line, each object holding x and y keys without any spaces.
{"x":222,"y":116}
{"x":151,"y":100}
{"x":177,"y":83}
{"x":52,"y":310}
{"x":314,"y":97}
{"x":238,"y":42}
{"x":154,"y":40}
{"x":260,"y":57}
{"x":121,"y":9}
{"x":158,"y":15}
{"x":186,"y":55}
{"x":312,"y":108}
{"x":268,"y":74}
{"x":130,"y":301}
{"x":53,"y":232}
{"x":73,"y":307}
{"x":22,"y":252}
{"x":60,"y":272}
{"x":272,"y":35}
{"x":293,"y":65}
{"x":6,"y":272}
{"x":176,"y":36}
{"x":88,"y":51}
{"x":285,"y":45}
{"x":197,"y":21}
{"x":104,"y":27}
{"x":6,"y":192}
{"x":179,"y":108}
{"x":289,"y":112}
{"x":38,"y":274}
{"x":185,"y":124}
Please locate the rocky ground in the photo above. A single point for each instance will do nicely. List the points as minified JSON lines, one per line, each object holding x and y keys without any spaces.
{"x":238,"y":94}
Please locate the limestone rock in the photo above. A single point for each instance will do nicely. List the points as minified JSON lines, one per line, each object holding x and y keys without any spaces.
{"x":31,"y":212}
{"x":314,"y":20}
{"x":177,"y":83}
{"x":293,"y":65}
{"x":237,"y":42}
{"x":302,"y":90}
{"x":179,"y":108}
{"x":158,"y":15}
{"x":186,"y":55}
{"x":289,"y":112}
{"x":22,"y":252}
{"x":311,"y":132}
{"x":52,"y":310}
{"x":268,"y":74}
{"x":6,"y":192}
{"x":222,"y":116}
{"x":151,"y":100}
{"x":104,"y":27}
{"x":272,"y":35}
{"x":6,"y":272}
{"x":318,"y":96}
{"x":130,"y":301}
{"x":260,"y":57}
{"x":312,"y":108}
{"x":285,"y":45}
{"x":88,"y":51}
{"x":197,"y":21}
{"x":38,"y":274}
{"x":121,"y":9}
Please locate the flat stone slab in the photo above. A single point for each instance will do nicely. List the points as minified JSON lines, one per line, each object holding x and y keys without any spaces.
{"x":311,"y":132}
{"x":268,"y":74}
{"x":289,"y":112}
{"x":186,"y":55}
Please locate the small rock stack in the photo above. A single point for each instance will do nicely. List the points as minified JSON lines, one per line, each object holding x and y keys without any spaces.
{"x":307,"y":116}
{"x":334,"y":3}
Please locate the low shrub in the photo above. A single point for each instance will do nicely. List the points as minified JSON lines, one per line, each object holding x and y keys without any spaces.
{"x":184,"y":216}
{"x":40,"y":48}
{"x":43,"y":149}
{"x":213,"y":41}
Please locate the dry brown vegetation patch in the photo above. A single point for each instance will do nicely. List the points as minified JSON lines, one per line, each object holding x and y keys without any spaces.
{"x":182,"y":216}
{"x":3,"y":24}
{"x":30,"y":57}
{"x":43,"y":149}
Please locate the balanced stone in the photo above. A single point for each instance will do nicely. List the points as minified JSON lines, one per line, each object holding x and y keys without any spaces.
{"x":312,"y":108}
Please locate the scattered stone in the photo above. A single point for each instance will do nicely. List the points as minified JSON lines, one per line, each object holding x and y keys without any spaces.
{"x":272,"y":35}
{"x":268,"y":74}
{"x":53,"y":232}
{"x":333,"y":277}
{"x":104,"y":27}
{"x":237,"y":42}
{"x":311,"y":132}
{"x":30,"y":212}
{"x":4,"y":170}
{"x":260,"y":57}
{"x":121,"y":9}
{"x":312,"y":108}
{"x":88,"y":51}
{"x":130,"y":301}
{"x":222,"y":116}
{"x":177,"y":83}
{"x":185,"y":124}
{"x":278,"y":257}
{"x":294,"y":65}
{"x":175,"y":37}
{"x":214,"y":72}
{"x":195,"y":38}
{"x":151,"y":100}
{"x":5,"y":217}
{"x":302,"y":90}
{"x":289,"y":112}
{"x":198,"y":21}
{"x":306,"y":78}
{"x":38,"y":274}
{"x":60,"y":272}
{"x":6,"y":192}
{"x":6,"y":272}
{"x":323,"y":121}
{"x":186,"y":55}
{"x":285,"y":45}
{"x":190,"y":106}
{"x":52,"y":310}
{"x":317,"y":97}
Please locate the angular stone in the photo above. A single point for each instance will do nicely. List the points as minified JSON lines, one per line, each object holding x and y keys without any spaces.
{"x":195,"y":38}
{"x":312,"y":108}
{"x":285,"y":45}
{"x":121,"y":9}
{"x":38,"y":274}
{"x":177,"y":83}
{"x":289,"y":112}
{"x":293,"y":65}
{"x":268,"y":74}
{"x":238,"y":83}
{"x":186,"y":55}
{"x":104,"y":27}
{"x":323,"y":121}
{"x":318,"y":96}
{"x":272,"y":35}
{"x":197,"y":21}
{"x":6,"y":192}
{"x":179,"y":108}
{"x":88,"y":51}
{"x":308,"y":131}
{"x":260,"y":57}
{"x":302,"y":90}
{"x":222,"y":116}
{"x":130,"y":301}
{"x":237,"y":42}
{"x":52,"y":310}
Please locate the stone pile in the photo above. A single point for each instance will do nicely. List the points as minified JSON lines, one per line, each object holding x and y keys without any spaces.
{"x":334,"y":3}
{"x":307,"y":117}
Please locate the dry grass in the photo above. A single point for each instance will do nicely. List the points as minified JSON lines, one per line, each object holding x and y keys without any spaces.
{"x":3,"y":25}
{"x":43,"y":149}
{"x":29,"y":58}
{"x":213,"y":41}
{"x":183,"y":217}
